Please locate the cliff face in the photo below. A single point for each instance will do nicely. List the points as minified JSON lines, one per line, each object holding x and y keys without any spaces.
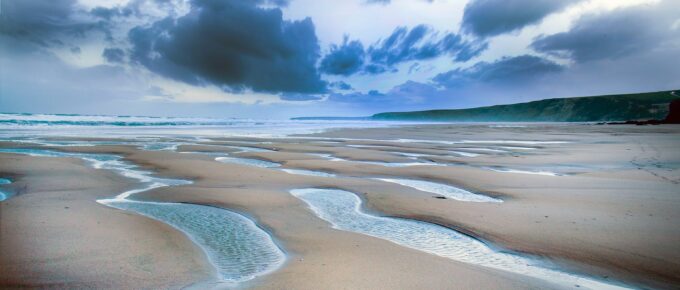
{"x":642,"y":106}
{"x":673,"y":116}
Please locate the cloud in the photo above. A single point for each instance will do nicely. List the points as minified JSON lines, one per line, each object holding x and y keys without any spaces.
{"x":108,"y":13}
{"x":486,"y":18}
{"x":521,"y":79}
{"x":244,"y":58}
{"x":45,"y":23}
{"x":232,"y":44}
{"x":614,"y":34}
{"x":299,"y":97}
{"x":278,"y":3}
{"x":403,"y":45}
{"x":375,"y":69}
{"x":471,"y":50}
{"x":371,"y":97}
{"x":383,"y":2}
{"x":140,"y":9}
{"x":458,"y":87}
{"x":412,"y":92}
{"x":420,"y":43}
{"x":409,"y":95}
{"x":41,"y":82}
{"x":340,"y":85}
{"x":114,"y":55}
{"x":505,"y":70}
{"x":345,"y":59}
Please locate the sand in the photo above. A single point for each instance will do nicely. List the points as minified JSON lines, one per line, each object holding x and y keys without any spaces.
{"x":612,"y":216}
{"x":54,"y":234}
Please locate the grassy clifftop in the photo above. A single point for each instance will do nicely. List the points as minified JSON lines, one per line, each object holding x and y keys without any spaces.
{"x":580,"y":109}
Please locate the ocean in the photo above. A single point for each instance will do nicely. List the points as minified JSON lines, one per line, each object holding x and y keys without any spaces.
{"x":20,"y":126}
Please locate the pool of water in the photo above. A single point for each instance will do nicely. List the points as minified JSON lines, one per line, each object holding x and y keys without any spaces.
{"x":234,"y":244}
{"x":4,"y":194}
{"x":308,"y":172}
{"x":444,"y":190}
{"x":248,"y":161}
{"x":519,"y":171}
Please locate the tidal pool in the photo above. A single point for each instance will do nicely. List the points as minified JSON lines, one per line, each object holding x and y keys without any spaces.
{"x":342,"y":209}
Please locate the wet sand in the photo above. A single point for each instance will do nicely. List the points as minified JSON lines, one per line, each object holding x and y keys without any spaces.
{"x":613,"y":215}
{"x":54,"y":234}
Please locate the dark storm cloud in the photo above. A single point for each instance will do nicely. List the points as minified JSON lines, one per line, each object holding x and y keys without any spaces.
{"x":615,"y":34}
{"x":233,"y":44}
{"x":403,"y":45}
{"x":345,"y":59}
{"x":43,"y":22}
{"x":486,"y":18}
{"x":114,"y":55}
{"x":505,"y":70}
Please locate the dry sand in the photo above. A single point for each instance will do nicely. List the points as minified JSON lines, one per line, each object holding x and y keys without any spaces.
{"x":614,"y":216}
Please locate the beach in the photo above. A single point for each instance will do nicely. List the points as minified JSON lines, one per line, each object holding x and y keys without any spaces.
{"x":582,"y":204}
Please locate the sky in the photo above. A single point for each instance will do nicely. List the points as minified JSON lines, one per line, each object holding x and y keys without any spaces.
{"x":273,"y":59}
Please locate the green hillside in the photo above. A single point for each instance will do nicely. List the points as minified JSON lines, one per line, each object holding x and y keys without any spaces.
{"x":581,"y":109}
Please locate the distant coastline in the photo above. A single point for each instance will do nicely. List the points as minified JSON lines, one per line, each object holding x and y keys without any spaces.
{"x":332,"y":118}
{"x":606,"y":108}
